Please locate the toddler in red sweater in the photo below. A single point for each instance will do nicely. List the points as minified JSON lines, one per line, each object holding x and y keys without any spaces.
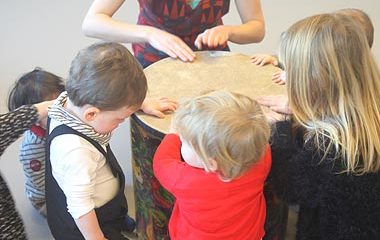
{"x":215,"y":165}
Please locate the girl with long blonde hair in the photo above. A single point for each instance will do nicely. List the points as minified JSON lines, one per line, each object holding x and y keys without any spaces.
{"x":331,"y":168}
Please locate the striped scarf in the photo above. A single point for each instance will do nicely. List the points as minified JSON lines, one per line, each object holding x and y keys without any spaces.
{"x":59,"y":113}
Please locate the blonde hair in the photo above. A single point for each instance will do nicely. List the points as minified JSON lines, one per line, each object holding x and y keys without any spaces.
{"x":334,"y":88}
{"x":228,"y":127}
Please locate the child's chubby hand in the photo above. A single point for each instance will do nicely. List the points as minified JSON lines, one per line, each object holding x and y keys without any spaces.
{"x":263,"y":59}
{"x":279,"y":77}
{"x":273,"y":117}
{"x":158,"y":106}
{"x":278,"y":104}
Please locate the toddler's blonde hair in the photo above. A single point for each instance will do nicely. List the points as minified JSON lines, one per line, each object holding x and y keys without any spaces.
{"x":228,"y":127}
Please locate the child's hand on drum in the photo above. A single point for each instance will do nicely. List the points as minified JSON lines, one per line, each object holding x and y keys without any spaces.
{"x":279,"y":77}
{"x":158,"y":106}
{"x":274,"y":117}
{"x":276,"y":103}
{"x":263,"y":59}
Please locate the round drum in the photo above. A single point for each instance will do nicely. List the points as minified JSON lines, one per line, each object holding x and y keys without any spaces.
{"x":212,"y":70}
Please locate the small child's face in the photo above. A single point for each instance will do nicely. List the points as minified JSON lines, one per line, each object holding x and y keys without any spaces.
{"x":107,"y":121}
{"x":190,"y":156}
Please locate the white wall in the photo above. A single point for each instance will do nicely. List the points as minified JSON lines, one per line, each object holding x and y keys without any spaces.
{"x":47,"y":33}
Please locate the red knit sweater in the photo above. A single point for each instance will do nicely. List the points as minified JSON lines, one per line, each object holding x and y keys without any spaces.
{"x":206,"y":207}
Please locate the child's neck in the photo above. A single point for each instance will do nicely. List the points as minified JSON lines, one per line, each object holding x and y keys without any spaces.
{"x":71,"y":108}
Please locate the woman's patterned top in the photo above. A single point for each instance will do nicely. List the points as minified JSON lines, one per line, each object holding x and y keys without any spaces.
{"x":12,"y":126}
{"x":183,"y":18}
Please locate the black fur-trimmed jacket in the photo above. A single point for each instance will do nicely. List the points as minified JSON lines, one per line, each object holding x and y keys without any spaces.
{"x":333,"y":205}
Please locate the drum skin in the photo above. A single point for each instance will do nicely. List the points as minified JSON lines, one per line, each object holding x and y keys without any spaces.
{"x":211,"y":70}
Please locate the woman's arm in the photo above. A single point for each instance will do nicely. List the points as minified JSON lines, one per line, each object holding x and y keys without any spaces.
{"x":251,"y":30}
{"x":253,"y":27}
{"x":99,"y":23}
{"x":13,"y":124}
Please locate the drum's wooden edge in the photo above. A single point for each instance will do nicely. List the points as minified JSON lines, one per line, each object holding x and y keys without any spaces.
{"x":147,"y":128}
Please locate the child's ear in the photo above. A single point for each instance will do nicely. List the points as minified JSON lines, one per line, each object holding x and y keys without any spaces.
{"x":90,"y":113}
{"x":213,"y":164}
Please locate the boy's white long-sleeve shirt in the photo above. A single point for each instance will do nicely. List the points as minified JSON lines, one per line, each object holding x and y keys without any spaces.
{"x":81,"y":172}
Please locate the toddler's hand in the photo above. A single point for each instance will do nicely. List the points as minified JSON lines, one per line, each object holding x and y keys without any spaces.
{"x":276,"y":103}
{"x":279,"y":77}
{"x":263,"y":59}
{"x":274,"y":117}
{"x":157,"y":106}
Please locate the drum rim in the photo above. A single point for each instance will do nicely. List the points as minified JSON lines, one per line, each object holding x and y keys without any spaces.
{"x":151,"y":130}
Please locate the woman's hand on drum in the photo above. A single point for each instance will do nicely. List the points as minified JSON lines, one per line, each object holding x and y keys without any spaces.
{"x":158,"y":106}
{"x":170,"y":44}
{"x":213,"y":37}
{"x":263,"y":59}
{"x":279,"y":77}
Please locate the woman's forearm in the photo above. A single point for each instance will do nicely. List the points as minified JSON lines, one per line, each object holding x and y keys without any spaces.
{"x":252,"y":28}
{"x":250,"y":32}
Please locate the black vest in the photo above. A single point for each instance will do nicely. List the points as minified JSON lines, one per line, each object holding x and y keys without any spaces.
{"x":110,"y":216}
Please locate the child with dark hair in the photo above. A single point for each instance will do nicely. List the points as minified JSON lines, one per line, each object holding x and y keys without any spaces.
{"x":34,"y":87}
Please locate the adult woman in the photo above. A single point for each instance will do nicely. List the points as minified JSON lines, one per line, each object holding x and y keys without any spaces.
{"x":12,"y":126}
{"x":175,"y":28}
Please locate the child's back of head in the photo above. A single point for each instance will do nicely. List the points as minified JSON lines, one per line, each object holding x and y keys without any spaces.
{"x":228,"y":127}
{"x":105,"y":75}
{"x":363,"y":19}
{"x":333,"y":87}
{"x":34,"y":87}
